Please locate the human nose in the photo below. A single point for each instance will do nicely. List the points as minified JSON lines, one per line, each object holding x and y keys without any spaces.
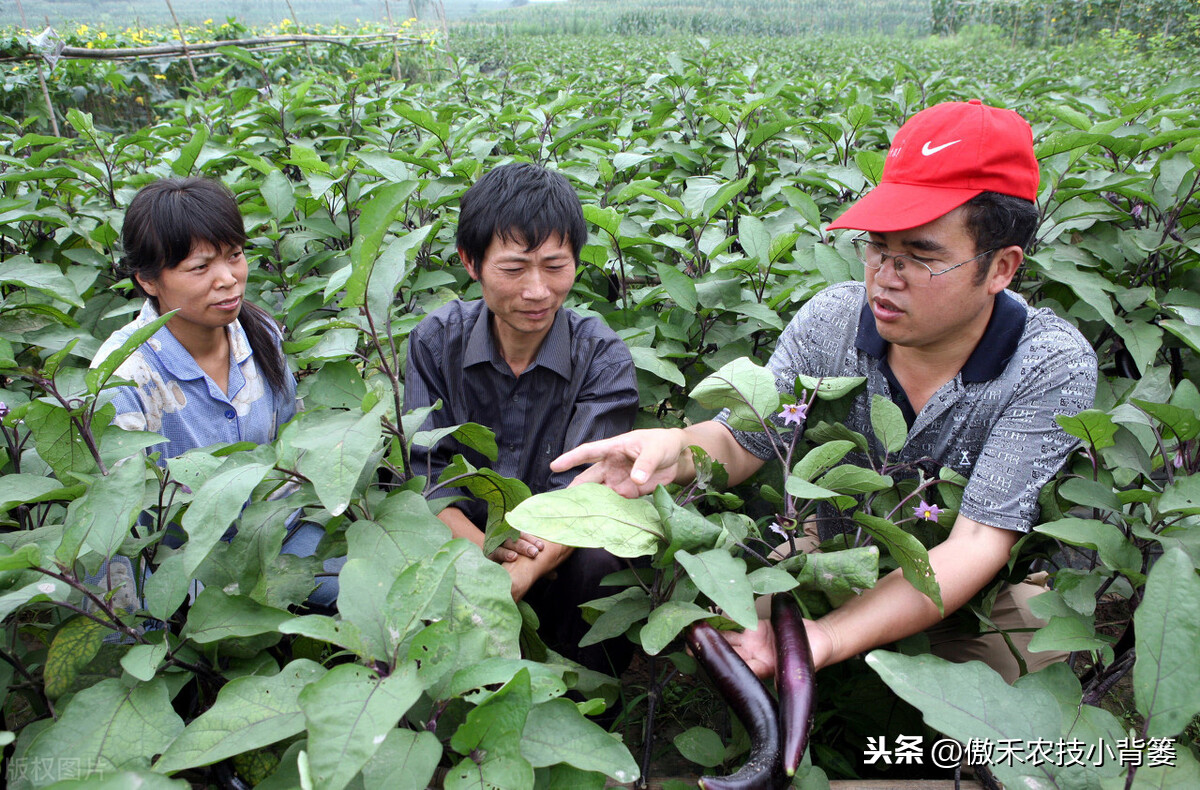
{"x":225,"y":274}
{"x":535,"y":287}
{"x":894,"y":278}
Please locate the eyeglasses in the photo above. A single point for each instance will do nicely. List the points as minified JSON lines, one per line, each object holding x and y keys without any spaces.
{"x":908,"y":268}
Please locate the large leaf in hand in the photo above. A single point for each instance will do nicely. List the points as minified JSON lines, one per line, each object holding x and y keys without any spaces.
{"x":339,"y":445}
{"x":1166,"y":677}
{"x":491,"y":740}
{"x":591,"y":516}
{"x":907,"y":551}
{"x":109,"y":727}
{"x":745,"y":388}
{"x":250,"y":712}
{"x":349,"y":713}
{"x":216,"y":504}
{"x":971,"y":701}
{"x":722,"y":577}
{"x":556,"y":732}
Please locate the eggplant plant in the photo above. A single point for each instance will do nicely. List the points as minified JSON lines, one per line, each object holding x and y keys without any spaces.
{"x":708,"y":168}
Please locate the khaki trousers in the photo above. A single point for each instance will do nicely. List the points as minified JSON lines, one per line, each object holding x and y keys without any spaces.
{"x":950,"y":640}
{"x":1010,"y":613}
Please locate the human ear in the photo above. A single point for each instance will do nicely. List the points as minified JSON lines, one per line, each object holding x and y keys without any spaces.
{"x":1005,"y":262}
{"x":468,"y":264}
{"x":149,"y":286}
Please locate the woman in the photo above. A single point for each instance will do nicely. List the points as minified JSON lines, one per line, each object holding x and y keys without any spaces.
{"x":216,"y":372}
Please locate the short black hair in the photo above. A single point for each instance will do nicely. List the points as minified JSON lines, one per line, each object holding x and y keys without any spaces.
{"x":995,"y":221}
{"x":519,"y":201}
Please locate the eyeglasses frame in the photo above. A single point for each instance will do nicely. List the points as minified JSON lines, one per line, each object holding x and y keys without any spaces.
{"x":860,"y":245}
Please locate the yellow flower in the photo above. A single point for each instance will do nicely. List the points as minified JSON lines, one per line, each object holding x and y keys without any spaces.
{"x":102,"y":36}
{"x":138,"y":99}
{"x":160,"y":76}
{"x":90,"y":44}
{"x":208,"y":22}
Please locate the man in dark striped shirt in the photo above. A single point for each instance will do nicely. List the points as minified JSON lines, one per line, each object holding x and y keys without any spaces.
{"x":542,"y":377}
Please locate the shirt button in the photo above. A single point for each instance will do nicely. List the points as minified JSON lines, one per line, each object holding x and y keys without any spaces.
{"x":516,"y":398}
{"x":512,"y":447}
{"x":230,"y":414}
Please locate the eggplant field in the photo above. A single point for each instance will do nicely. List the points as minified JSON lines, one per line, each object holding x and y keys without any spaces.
{"x":709,"y":162}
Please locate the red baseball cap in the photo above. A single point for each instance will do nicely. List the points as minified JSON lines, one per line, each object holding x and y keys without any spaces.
{"x":941,"y":158}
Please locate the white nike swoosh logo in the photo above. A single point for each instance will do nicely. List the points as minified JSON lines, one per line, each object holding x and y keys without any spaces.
{"x":925,"y":149}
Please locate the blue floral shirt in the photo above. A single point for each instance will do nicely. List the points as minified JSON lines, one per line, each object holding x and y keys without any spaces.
{"x":175,"y":398}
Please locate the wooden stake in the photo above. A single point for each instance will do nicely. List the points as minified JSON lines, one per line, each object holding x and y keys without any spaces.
{"x":183,"y":41}
{"x":297,"y":21}
{"x":395,"y":55}
{"x":42,"y":80}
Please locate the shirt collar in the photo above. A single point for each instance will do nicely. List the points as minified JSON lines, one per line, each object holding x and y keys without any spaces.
{"x":999,"y":342}
{"x":177,"y":359}
{"x":555,"y":352}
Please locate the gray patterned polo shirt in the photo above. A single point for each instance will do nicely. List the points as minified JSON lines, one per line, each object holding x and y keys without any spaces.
{"x":992,"y":423}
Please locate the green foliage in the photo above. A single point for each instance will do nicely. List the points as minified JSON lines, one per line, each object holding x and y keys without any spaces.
{"x":707,"y":169}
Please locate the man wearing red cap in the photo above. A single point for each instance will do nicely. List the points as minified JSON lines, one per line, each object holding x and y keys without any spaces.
{"x":978,"y":374}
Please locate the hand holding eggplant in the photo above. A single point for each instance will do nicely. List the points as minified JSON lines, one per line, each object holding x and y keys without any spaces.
{"x":795,"y":679}
{"x":751,"y":703}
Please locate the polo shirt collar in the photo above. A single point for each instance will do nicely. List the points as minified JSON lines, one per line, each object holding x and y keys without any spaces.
{"x":555,"y":352}
{"x":990,"y":357}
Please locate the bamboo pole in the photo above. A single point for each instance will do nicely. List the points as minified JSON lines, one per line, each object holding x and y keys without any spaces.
{"x":183,"y":42}
{"x":296,"y":19}
{"x":42,"y":80}
{"x":161,"y":50}
{"x":395,"y":55}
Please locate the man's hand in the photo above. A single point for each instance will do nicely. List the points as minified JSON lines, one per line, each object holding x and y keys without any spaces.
{"x":631,"y":464}
{"x":757,"y":646}
{"x":523,"y":573}
{"x":524,"y":546}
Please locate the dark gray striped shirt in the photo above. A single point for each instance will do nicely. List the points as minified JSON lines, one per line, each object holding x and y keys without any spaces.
{"x":993,"y":422}
{"x":581,"y":387}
